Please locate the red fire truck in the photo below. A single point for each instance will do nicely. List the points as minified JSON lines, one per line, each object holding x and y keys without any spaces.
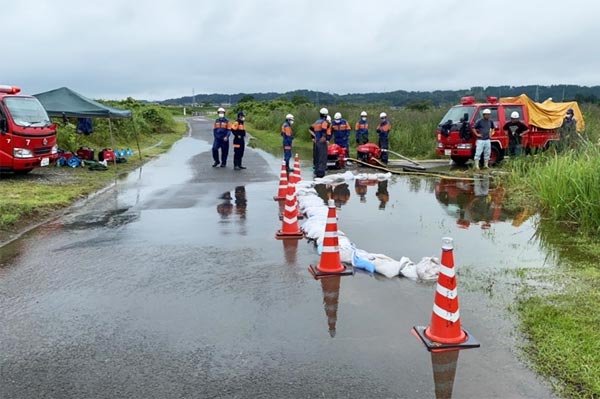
{"x":27,"y":136}
{"x":454,"y":137}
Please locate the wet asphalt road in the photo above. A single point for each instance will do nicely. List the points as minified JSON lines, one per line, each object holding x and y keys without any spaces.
{"x":172,"y":286}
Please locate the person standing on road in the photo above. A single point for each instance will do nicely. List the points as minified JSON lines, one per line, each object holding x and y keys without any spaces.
{"x":239,"y":140}
{"x":383,"y":130}
{"x":483,"y":130}
{"x":322,"y":133}
{"x":221,"y":133}
{"x":341,"y":132}
{"x":515,"y":129}
{"x":362,"y":129}
{"x":288,"y":137}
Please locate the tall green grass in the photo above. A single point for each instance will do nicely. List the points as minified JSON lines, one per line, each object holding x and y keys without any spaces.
{"x":566,"y":186}
{"x":413,"y":131}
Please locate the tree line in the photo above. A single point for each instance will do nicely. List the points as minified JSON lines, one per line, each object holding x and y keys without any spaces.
{"x":399,"y":98}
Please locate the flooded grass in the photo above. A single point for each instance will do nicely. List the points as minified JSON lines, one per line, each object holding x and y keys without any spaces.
{"x":563,"y":330}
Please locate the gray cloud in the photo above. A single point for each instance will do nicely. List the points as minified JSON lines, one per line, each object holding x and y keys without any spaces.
{"x":156,"y":50}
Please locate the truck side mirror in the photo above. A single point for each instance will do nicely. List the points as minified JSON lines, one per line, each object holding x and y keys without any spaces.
{"x":3,"y":126}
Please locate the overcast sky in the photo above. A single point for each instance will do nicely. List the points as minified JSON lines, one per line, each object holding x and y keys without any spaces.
{"x":159,"y":49}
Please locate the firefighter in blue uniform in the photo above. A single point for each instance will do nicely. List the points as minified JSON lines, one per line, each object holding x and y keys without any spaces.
{"x":321,"y":130}
{"x":362,"y":129}
{"x":288,"y":137}
{"x":341,"y":132}
{"x":383,"y":130}
{"x":221,"y":133}
{"x":239,"y":140}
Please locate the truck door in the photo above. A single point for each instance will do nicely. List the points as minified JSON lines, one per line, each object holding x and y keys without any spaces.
{"x":6,"y":144}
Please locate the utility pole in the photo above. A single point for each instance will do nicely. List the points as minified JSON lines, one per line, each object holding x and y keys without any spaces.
{"x":193,"y":96}
{"x":537,"y":93}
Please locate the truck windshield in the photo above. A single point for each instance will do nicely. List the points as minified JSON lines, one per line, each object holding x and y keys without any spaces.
{"x":456,"y":113}
{"x":27,"y":111}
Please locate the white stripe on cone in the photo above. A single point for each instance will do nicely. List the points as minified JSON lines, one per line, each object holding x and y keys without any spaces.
{"x":330,"y":234}
{"x":290,"y":221}
{"x":448,"y":272}
{"x":446,"y":293}
{"x":330,"y":250}
{"x":446,"y":315}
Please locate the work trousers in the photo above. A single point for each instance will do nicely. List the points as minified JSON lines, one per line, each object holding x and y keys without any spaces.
{"x":384,"y":145}
{"x":483,"y":147}
{"x":223,"y":145}
{"x":238,"y":152}
{"x":321,"y":158}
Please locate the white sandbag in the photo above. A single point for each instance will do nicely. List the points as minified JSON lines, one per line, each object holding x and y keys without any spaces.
{"x":428,"y":269}
{"x":409,"y":269}
{"x":386,"y":265}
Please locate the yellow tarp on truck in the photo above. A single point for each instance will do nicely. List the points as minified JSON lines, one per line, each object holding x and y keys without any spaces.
{"x":547,"y":115}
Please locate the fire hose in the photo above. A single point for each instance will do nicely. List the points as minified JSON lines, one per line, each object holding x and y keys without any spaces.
{"x":406,"y":171}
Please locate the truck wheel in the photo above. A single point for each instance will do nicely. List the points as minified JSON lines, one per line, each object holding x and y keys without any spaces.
{"x":22,"y":172}
{"x":460,"y":161}
{"x":497,"y":155}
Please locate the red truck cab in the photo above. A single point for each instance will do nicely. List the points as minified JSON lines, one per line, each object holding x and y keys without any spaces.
{"x":27,"y":136}
{"x":454,"y":137}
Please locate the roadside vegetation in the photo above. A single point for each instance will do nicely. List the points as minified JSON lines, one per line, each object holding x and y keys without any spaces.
{"x":30,"y":198}
{"x":562,"y":324}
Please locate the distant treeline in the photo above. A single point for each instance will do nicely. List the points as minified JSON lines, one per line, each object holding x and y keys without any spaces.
{"x":401,"y":97}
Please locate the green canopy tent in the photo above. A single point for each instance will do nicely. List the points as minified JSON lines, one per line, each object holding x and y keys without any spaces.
{"x":64,"y":102}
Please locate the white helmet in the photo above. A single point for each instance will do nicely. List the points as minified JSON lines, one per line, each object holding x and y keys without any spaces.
{"x":289,"y":117}
{"x":337,"y":116}
{"x":328,"y":118}
{"x":221,"y":109}
{"x":383,"y":115}
{"x":514,"y":115}
{"x":487,"y":111}
{"x":324,"y":111}
{"x":364,"y":113}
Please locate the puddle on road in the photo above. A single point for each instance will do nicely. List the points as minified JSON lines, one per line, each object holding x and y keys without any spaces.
{"x":407,"y":216}
{"x":203,"y":269}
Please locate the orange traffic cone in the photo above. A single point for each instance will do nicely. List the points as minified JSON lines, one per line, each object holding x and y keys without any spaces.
{"x":283,"y":183}
{"x":296,"y":176}
{"x":330,"y":263}
{"x":444,"y":372}
{"x":331,"y":295}
{"x":445,"y":330}
{"x":289,"y":228}
{"x":282,"y":207}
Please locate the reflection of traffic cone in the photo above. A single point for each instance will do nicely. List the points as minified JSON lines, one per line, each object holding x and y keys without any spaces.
{"x":283,"y":182}
{"x":296,"y":176}
{"x":445,"y":330}
{"x":330,"y":263}
{"x":331,"y":295}
{"x":290,"y":251}
{"x":444,"y":364}
{"x":289,"y":228}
